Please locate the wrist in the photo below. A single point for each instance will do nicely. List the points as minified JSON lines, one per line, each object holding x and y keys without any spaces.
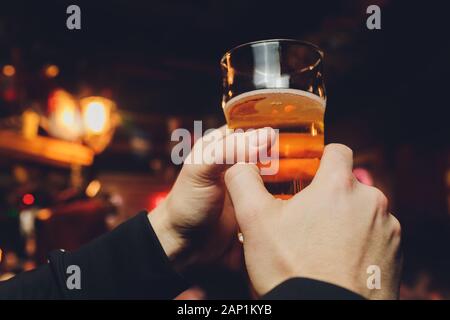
{"x":171,"y":242}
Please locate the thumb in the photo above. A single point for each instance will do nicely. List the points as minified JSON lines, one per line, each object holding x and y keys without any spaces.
{"x":247,"y":191}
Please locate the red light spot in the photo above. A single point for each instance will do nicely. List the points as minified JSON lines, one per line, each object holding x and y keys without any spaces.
{"x":159,"y":199}
{"x":28,"y":199}
{"x":10,"y":95}
{"x":363,"y":176}
{"x":156,"y":199}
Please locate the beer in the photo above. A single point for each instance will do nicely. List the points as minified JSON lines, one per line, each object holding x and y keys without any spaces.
{"x":299,"y":116}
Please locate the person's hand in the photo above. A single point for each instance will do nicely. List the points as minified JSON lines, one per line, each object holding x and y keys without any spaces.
{"x":332,"y":231}
{"x":195,"y":223}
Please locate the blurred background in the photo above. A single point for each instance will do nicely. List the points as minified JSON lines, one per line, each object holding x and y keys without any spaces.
{"x":86,"y":115}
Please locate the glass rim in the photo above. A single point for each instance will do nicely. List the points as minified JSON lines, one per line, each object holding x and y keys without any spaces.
{"x":295,"y":41}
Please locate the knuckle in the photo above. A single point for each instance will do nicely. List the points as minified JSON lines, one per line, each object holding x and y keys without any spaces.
{"x":381,"y":199}
{"x":340,"y":149}
{"x":396,"y":226}
{"x":378,"y":197}
{"x":339,"y":158}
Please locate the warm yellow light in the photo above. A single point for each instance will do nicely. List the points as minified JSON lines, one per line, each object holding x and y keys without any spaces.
{"x":95,"y":117}
{"x":313,"y":130}
{"x":230,"y":71}
{"x":51,"y":71}
{"x":9,"y":70}
{"x":30,"y":124}
{"x":20,"y":173}
{"x":100,"y":119}
{"x":44,"y":214}
{"x":65,"y":118}
{"x":93,"y":188}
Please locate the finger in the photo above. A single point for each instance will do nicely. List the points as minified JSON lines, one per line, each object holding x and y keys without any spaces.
{"x":221,"y":148}
{"x":246,"y":190}
{"x":336,"y":164}
{"x":246,"y":146}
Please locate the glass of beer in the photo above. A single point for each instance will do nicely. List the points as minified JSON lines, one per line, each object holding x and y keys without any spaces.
{"x":279,"y":83}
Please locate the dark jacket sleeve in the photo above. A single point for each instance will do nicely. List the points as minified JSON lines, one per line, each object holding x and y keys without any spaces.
{"x":310,"y":289}
{"x":127,"y":263}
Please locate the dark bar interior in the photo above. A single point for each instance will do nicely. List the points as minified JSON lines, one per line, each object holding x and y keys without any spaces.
{"x":153,"y":66}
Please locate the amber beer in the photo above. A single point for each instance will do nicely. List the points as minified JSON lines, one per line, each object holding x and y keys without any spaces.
{"x":299,"y":117}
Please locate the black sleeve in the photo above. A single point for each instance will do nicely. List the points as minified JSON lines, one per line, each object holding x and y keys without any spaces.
{"x":309,"y":289}
{"x":127,"y":263}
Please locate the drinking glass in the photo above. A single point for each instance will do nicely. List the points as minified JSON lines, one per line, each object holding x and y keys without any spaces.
{"x":279,"y":83}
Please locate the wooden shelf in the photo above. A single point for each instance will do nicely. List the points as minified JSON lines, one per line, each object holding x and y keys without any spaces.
{"x":44,"y":149}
